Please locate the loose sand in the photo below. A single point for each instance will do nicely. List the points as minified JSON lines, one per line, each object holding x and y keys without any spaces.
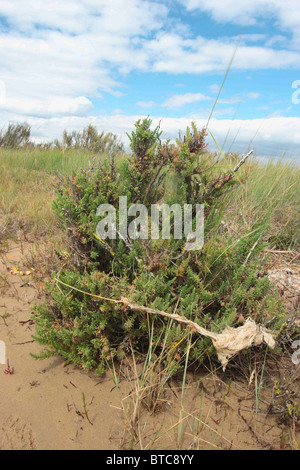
{"x":41,"y":403}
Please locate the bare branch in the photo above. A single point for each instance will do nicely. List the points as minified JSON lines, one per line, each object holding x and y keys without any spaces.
{"x":242,"y":161}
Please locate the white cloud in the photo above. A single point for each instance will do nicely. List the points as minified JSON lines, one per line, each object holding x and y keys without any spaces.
{"x":214,"y":88}
{"x":174,"y":54}
{"x":277,"y":40}
{"x":249,"y":12}
{"x":245,"y":13}
{"x":224,"y":111}
{"x":146,"y":104}
{"x":58,"y":106}
{"x":71,"y":49}
{"x":57,"y":57}
{"x":253,"y":95}
{"x":177,"y":101}
{"x":118,"y":111}
{"x":128,"y":18}
{"x":232,"y":100}
{"x":239,"y":98}
{"x":273,"y":136}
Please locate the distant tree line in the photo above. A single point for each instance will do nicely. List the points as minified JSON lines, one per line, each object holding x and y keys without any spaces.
{"x":18,"y":135}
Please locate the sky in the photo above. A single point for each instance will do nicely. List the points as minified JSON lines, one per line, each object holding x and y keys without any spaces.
{"x":66,"y":64}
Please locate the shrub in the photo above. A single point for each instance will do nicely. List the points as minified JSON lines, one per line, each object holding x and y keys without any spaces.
{"x":90,"y":139}
{"x":16,"y":135}
{"x":215,"y":286}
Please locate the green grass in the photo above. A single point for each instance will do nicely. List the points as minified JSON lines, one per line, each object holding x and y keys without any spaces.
{"x":28,"y":178}
{"x":273,"y":188}
{"x":25,"y":201}
{"x":27,"y":187}
{"x":51,"y":162}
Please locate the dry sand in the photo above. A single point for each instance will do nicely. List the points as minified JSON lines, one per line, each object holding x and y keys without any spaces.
{"x":41,"y":403}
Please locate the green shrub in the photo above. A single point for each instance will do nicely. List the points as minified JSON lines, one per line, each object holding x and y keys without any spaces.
{"x":215,"y":286}
{"x":89,"y":139}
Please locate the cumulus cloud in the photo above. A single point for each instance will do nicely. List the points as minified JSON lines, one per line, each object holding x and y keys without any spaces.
{"x":177,"y":101}
{"x":146,"y":104}
{"x":58,"y":106}
{"x":56,"y":58}
{"x":214,"y":88}
{"x":232,"y":100}
{"x":253,"y":95}
{"x":71,"y":48}
{"x":272,"y":136}
{"x":249,"y":12}
{"x":79,"y":16}
{"x":174,"y":54}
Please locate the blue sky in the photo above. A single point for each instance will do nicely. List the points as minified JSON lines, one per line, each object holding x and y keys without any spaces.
{"x":66,"y":64}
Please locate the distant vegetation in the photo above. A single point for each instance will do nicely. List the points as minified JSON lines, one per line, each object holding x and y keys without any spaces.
{"x":15,"y":136}
{"x":18,"y":136}
{"x":89,"y":139}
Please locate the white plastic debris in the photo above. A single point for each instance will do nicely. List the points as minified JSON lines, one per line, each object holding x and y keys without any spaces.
{"x":234,"y":340}
{"x":228,"y":343}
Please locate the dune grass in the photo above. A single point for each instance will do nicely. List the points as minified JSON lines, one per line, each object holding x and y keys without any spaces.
{"x":50,"y":161}
{"x":28,"y":178}
{"x":272,"y":188}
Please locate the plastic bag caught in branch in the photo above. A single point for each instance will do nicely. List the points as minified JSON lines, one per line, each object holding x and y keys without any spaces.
{"x":233,"y":340}
{"x":228,"y":343}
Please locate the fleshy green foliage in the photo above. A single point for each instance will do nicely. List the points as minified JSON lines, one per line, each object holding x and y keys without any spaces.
{"x":82,"y":329}
{"x":215,"y":286}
